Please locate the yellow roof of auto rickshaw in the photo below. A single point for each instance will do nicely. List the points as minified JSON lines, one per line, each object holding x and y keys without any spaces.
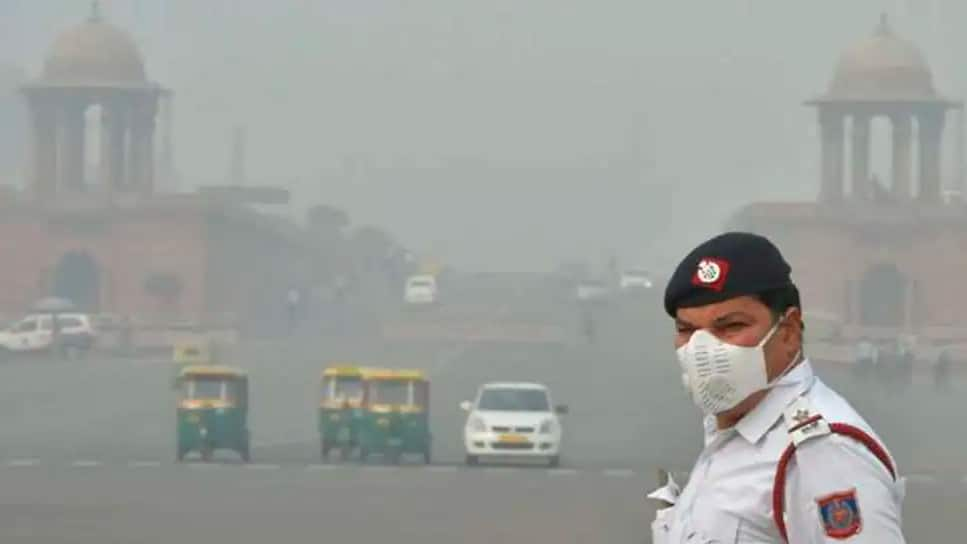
{"x":213,"y":372}
{"x":393,"y":374}
{"x":347,"y":370}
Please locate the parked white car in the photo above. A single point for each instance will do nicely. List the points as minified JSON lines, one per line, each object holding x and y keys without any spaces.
{"x":421,"y":290}
{"x":636,"y":279}
{"x":513,"y":420}
{"x":35,"y":333}
{"x":592,"y":291}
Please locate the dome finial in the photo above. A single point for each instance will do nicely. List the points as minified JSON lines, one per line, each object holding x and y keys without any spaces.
{"x":95,"y":12}
{"x":883,"y":28}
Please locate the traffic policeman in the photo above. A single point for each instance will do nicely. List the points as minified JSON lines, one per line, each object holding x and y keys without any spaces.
{"x":786,"y":458}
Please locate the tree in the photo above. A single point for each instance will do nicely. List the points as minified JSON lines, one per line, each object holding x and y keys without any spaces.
{"x":326,"y":219}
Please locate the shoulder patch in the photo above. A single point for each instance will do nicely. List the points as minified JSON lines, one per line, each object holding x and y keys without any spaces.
{"x":840,"y":514}
{"x":803,"y":422}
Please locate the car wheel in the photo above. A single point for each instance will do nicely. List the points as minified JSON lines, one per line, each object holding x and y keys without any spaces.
{"x":554,"y":461}
{"x":473,"y":460}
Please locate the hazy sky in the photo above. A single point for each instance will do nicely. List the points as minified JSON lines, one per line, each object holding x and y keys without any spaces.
{"x":506,"y":134}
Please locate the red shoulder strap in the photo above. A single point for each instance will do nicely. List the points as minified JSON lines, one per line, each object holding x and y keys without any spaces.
{"x":779,"y":486}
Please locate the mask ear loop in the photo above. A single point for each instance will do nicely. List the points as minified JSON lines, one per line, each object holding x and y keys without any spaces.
{"x":792,"y":362}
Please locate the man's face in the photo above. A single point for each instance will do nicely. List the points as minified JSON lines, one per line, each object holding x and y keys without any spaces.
{"x":744,"y":321}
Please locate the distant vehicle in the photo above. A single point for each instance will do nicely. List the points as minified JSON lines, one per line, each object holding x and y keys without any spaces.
{"x":421,"y":290}
{"x":35,"y":333}
{"x":513,"y":420}
{"x":592,"y":291}
{"x":636,"y":278}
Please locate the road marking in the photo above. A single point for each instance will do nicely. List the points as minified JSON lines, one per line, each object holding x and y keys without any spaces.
{"x":263,"y":467}
{"x":440,"y":469}
{"x":501,"y":470}
{"x":323,"y":467}
{"x":144,"y":464}
{"x":922,"y":478}
{"x":23,"y":462}
{"x":380,"y":468}
{"x":86,"y":464}
{"x":619,"y":473}
{"x":562,"y":472}
{"x":203,"y":466}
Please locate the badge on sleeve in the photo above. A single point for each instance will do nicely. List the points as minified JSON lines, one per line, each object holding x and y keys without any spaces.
{"x":840,"y":514}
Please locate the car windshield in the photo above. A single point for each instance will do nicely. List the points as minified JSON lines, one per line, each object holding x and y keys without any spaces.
{"x":342,"y":388}
{"x":513,"y":400}
{"x":205,"y":389}
{"x":389,"y":392}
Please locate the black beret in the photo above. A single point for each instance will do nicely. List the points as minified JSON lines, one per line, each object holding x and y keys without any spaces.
{"x":727,"y":266}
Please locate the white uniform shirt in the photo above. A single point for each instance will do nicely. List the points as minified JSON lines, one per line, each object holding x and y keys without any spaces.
{"x":728,"y":497}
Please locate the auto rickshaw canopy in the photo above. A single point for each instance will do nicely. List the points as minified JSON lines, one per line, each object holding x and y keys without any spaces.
{"x":213,"y":372}
{"x":389,"y":374}
{"x":343,"y":371}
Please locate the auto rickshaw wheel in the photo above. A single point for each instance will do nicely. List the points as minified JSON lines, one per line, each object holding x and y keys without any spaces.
{"x":346,"y":452}
{"x":206,"y":453}
{"x":427,"y":456}
{"x":180,"y":454}
{"x":363,"y":453}
{"x":246,"y":453}
{"x":394,"y":456}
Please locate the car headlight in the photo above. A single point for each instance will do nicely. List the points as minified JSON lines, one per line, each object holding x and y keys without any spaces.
{"x":477,"y":425}
{"x":546,"y":426}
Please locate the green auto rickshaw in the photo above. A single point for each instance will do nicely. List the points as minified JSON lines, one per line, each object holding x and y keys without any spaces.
{"x":340,"y":410}
{"x":212,"y":411}
{"x":396,"y":408}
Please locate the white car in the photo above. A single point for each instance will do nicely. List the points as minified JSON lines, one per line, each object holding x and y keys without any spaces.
{"x":421,"y":290}
{"x":513,"y":420}
{"x":636,"y":279}
{"x":35,"y":333}
{"x":592,"y":291}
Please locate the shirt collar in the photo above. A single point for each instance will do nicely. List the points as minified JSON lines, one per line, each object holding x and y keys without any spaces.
{"x":754,"y":425}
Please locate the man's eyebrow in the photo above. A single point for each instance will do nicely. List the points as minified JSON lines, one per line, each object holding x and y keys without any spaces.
{"x":683,"y":324}
{"x":731,"y":316}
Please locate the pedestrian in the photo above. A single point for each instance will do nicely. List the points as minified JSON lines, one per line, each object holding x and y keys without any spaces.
{"x":785,"y":458}
{"x":941,"y":370}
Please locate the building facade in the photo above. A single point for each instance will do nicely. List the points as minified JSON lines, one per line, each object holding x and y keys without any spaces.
{"x":880,"y":257}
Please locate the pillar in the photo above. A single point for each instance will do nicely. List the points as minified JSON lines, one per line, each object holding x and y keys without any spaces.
{"x":832,"y":133}
{"x":71,"y":149}
{"x":44,"y":175}
{"x":930,"y":135}
{"x":860,"y":147}
{"x":902,"y":151}
{"x":114,"y":120}
{"x":167,"y":160}
{"x":142,"y":146}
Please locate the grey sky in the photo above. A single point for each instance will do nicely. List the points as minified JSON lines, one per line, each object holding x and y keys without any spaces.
{"x":535,"y":106}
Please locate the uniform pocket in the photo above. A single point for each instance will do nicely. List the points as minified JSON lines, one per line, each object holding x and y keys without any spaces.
{"x":724,"y":529}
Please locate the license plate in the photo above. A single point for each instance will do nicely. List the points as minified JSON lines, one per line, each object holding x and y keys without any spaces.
{"x":512,"y":438}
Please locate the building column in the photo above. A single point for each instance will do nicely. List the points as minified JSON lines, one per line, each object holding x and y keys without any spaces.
{"x":902,"y":151}
{"x":832,"y":133}
{"x":930,"y":134}
{"x":114,"y":121}
{"x":860,"y":147}
{"x":72,"y":142}
{"x":142,"y":146}
{"x":44,"y":175}
{"x":167,"y":159}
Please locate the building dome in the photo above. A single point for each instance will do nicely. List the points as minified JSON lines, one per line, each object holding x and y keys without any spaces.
{"x":94,"y":53}
{"x":882,"y":67}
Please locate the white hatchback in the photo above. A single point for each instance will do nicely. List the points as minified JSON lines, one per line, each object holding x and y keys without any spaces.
{"x":421,"y":290}
{"x":513,"y":420}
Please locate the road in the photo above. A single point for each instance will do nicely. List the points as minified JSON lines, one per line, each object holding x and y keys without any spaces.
{"x":88,"y":446}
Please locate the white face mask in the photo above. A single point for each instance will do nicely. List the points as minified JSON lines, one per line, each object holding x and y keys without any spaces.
{"x":720,"y":375}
